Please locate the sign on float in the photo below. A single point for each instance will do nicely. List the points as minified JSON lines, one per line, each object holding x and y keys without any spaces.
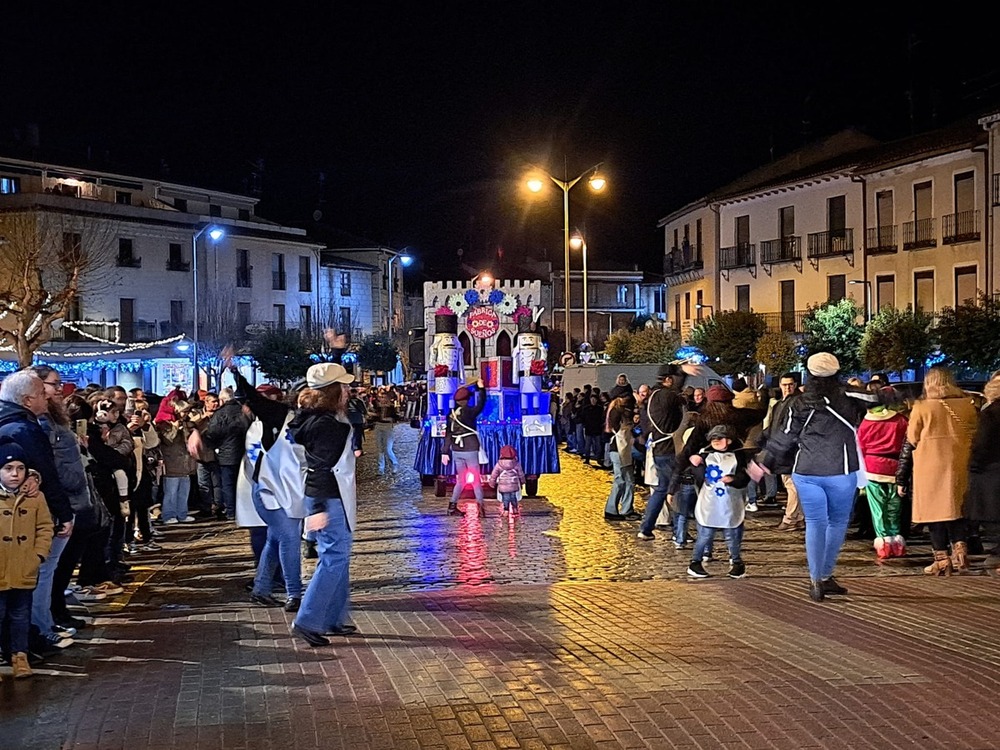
{"x":482,"y":323}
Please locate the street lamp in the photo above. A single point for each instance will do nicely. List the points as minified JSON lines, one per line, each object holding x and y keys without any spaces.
{"x":215,"y":234}
{"x":701,"y":306}
{"x":597,"y":183}
{"x":868,"y":297}
{"x":578,"y":243}
{"x":405,"y":259}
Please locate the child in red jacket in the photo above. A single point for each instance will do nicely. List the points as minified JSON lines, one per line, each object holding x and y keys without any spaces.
{"x":881,"y":435}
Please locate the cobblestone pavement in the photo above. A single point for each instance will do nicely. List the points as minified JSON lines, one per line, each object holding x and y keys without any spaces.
{"x":561,"y":631}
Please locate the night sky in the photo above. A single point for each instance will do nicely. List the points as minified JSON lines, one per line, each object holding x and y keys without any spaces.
{"x":413,"y":124}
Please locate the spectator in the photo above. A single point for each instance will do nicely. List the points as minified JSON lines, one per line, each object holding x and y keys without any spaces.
{"x":208,"y":472}
{"x":620,"y":500}
{"x":226,"y":434}
{"x":793,"y":519}
{"x":386,"y":417}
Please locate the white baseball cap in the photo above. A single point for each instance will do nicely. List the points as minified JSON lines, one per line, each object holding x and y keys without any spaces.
{"x":327,"y":373}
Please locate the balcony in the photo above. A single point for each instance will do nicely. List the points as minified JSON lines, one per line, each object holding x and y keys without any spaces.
{"x":882,"y":241}
{"x":681,"y":260}
{"x":278,"y":280}
{"x":960,"y":227}
{"x":782,"y":250}
{"x":244,"y":277}
{"x":128,"y":261}
{"x":919,"y":234}
{"x":743,"y":255}
{"x":178,"y":265}
{"x":169,"y":328}
{"x":834,"y":243}
{"x":788,"y":321}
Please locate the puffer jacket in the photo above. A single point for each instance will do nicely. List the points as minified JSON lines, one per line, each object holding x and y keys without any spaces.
{"x":70,"y":465}
{"x":177,"y":462}
{"x":226,"y":433}
{"x":507,"y":475}
{"x":25,"y":538}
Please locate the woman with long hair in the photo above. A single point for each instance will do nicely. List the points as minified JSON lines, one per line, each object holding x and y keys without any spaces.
{"x":324,"y":432}
{"x":943,"y":422}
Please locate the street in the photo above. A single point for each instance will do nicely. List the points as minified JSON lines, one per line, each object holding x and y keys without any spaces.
{"x":559,"y":630}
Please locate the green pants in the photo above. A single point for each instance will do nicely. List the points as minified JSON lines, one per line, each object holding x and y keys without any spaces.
{"x":884,"y":503}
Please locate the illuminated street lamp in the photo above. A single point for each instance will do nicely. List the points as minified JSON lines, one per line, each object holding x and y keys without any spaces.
{"x":404,"y":259}
{"x":597,"y":183}
{"x":577,"y":243}
{"x":215,"y":233}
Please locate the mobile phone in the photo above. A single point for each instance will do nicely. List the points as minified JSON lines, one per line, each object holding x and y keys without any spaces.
{"x":81,"y":427}
{"x":129,"y":406}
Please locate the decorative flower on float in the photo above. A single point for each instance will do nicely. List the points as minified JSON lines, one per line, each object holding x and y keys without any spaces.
{"x":507,"y":304}
{"x":520,"y":312}
{"x":440,"y":371}
{"x":538,"y":367}
{"x":472,"y":296}
{"x":458,"y":304}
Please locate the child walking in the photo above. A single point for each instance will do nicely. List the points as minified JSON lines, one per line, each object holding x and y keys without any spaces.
{"x":25,"y":538}
{"x":881,"y":435}
{"x":720,"y":471}
{"x":508,"y":477}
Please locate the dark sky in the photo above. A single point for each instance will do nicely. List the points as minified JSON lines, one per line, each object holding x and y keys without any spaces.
{"x":412,"y":124}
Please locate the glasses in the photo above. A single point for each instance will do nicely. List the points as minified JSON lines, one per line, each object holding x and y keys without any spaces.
{"x":57,"y":384}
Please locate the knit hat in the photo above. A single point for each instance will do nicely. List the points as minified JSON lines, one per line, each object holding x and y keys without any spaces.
{"x":327,"y":373}
{"x":11,"y":451}
{"x":463,"y":394}
{"x":266,"y":389}
{"x":719,"y":393}
{"x":720,"y":431}
{"x":823,"y":365}
{"x":507,"y":451}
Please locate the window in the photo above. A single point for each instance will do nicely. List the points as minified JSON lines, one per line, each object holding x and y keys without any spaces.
{"x":175,"y":258}
{"x":305,"y":317}
{"x":72,"y":247}
{"x":965,"y":192}
{"x":965,"y":285}
{"x":659,"y":300}
{"x":214,"y":210}
{"x":181,"y":204}
{"x":126,"y":256}
{"x":126,"y":319}
{"x":344,"y":322}
{"x":177,"y":315}
{"x":687,"y":305}
{"x":885,"y":291}
{"x":677,"y":312}
{"x":697,"y":241}
{"x":836,"y":215}
{"x":10,"y":185}
{"x":243,"y":268}
{"x":923,"y":208}
{"x":345,"y":283}
{"x":305,"y":274}
{"x":621,"y":296}
{"x":923,"y":291}
{"x":786,"y":220}
{"x":242,"y":315}
{"x":699,"y":301}
{"x":742,"y":231}
{"x":743,"y":297}
{"x":244,"y":214}
{"x":279,"y":317}
{"x":123,"y":198}
{"x":788,"y":306}
{"x":277,"y":271}
{"x":676,"y":241}
{"x":836,"y":287}
{"x":884,"y":219}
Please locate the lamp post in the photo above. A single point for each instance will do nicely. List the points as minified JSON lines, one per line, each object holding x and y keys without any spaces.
{"x":597,"y":183}
{"x":868,"y":297}
{"x":215,"y":234}
{"x":405,"y":259}
{"x":579,"y":243}
{"x":701,"y":306}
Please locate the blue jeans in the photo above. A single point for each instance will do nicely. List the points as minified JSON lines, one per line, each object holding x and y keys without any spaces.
{"x":15,"y":607}
{"x":593,"y":448}
{"x":210,"y":485}
{"x":282,"y":545}
{"x":227,"y":489}
{"x":466,"y":463}
{"x":509,"y":500}
{"x":827,"y":503}
{"x":684,"y":501}
{"x":581,"y":439}
{"x":41,"y":609}
{"x":770,"y":486}
{"x":665,"y":469}
{"x":384,"y":440}
{"x":326,"y":604}
{"x":175,"y":497}
{"x":622,"y":488}
{"x":734,"y":540}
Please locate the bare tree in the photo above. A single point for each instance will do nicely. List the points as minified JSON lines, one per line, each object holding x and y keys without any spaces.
{"x":47,"y":261}
{"x":219,"y":327}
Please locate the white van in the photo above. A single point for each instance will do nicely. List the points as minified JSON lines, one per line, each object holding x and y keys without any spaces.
{"x":605,"y":374}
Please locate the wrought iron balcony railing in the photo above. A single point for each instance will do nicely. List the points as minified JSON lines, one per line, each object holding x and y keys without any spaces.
{"x":782,"y":250}
{"x":738,"y":256}
{"x":960,"y":227}
{"x":919,"y":234}
{"x":881,"y":240}
{"x":831,"y":244}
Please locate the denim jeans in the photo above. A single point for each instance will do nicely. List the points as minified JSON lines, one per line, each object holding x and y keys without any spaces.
{"x":770,"y":486}
{"x":210,"y":485}
{"x":734,"y":541}
{"x":41,"y":608}
{"x":281,"y":546}
{"x":466,"y":463}
{"x":665,"y":469}
{"x":175,"y":497}
{"x":326,"y":603}
{"x":15,"y":607}
{"x":581,"y":439}
{"x":509,"y":500}
{"x":227,"y":489}
{"x":622,"y":488}
{"x":827,"y":503}
{"x":684,"y":501}
{"x":384,"y":440}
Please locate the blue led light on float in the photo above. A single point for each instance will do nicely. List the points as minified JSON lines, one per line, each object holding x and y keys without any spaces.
{"x":934,"y":359}
{"x":692,"y":354}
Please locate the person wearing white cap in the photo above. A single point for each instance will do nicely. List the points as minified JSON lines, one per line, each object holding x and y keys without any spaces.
{"x":324,"y":432}
{"x":818,"y":437}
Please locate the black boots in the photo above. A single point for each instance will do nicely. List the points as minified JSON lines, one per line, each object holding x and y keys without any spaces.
{"x":816,"y":591}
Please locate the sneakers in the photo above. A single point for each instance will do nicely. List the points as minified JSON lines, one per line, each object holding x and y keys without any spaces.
{"x":737,"y":569}
{"x":697,"y":570}
{"x":170,"y":522}
{"x":708,"y":556}
{"x":188,"y":519}
{"x":108,"y":588}
{"x":64,"y":632}
{"x":679,"y":545}
{"x":645,"y":537}
{"x":52,"y":640}
{"x":752,"y":508}
{"x":898,"y":546}
{"x":89,"y":594}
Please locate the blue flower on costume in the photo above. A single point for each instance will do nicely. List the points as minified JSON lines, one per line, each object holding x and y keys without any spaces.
{"x":472,"y":296}
{"x":713,"y":474}
{"x":720,"y":491}
{"x":496,"y":297}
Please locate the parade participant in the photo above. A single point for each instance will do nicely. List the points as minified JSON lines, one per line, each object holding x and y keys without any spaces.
{"x":664,"y":410}
{"x":462,"y":445}
{"x":508,"y":477}
{"x":25,"y":538}
{"x":323,"y":431}
{"x":881,"y":435}
{"x":721,"y":477}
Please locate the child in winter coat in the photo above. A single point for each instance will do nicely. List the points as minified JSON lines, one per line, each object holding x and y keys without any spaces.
{"x":720,"y":470}
{"x":25,"y":538}
{"x":881,"y":435}
{"x":117,"y":437}
{"x":508,"y":476}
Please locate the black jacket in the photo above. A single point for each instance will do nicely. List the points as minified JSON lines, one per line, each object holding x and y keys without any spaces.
{"x":664,"y":409}
{"x":324,"y":438}
{"x":467,"y":415}
{"x":226,"y":433}
{"x":778,"y":416}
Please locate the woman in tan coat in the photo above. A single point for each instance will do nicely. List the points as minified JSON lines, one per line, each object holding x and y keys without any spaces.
{"x":942,"y":425}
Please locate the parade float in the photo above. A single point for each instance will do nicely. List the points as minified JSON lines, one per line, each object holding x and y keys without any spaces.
{"x":517,"y":410}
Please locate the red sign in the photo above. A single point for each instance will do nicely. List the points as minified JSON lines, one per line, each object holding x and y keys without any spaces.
{"x":482,"y":323}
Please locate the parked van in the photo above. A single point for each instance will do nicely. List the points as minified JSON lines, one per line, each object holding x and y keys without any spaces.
{"x":605,"y":374}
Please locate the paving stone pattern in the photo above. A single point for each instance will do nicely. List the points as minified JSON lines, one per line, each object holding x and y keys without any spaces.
{"x":560,"y":630}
